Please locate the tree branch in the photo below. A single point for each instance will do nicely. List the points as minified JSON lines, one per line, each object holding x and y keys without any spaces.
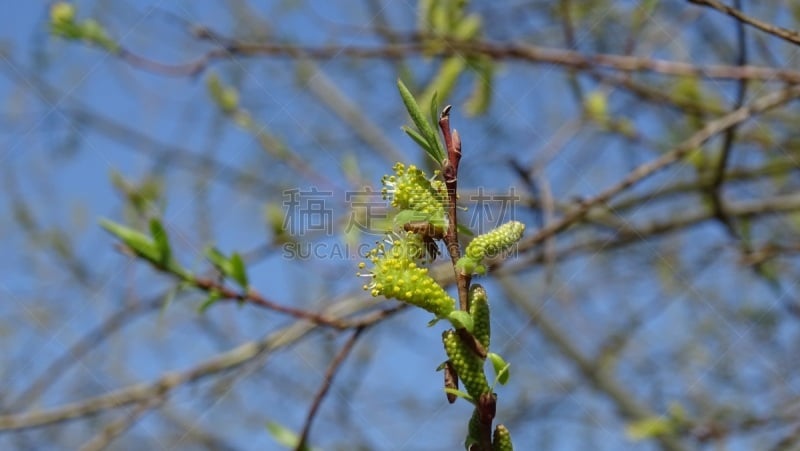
{"x":416,"y":45}
{"x":693,"y":143}
{"x":326,"y":385}
{"x":225,"y":361}
{"x":783,"y":33}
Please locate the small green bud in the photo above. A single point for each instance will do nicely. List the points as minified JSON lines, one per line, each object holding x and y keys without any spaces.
{"x":467,"y":364}
{"x":596,"y":106}
{"x":94,"y":33}
{"x":62,"y":13}
{"x":479,"y":310}
{"x":502,"y":439}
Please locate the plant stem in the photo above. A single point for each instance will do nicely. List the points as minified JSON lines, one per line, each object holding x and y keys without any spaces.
{"x":486,"y":405}
{"x":453,"y":145}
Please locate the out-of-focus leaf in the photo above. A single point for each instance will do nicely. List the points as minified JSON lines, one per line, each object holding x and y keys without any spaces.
{"x":141,"y":244}
{"x":444,"y":81}
{"x":211,"y":299}
{"x":161,"y":241}
{"x":649,"y":428}
{"x":481,"y":97}
{"x":468,"y":27}
{"x":225,"y":97}
{"x":284,"y":436}
{"x":238,"y":270}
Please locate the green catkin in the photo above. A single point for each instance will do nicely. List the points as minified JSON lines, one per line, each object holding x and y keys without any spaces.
{"x":410,"y":189}
{"x":479,"y":310}
{"x":474,"y":430}
{"x":467,"y":364}
{"x":495,"y":242}
{"x":395,"y":275}
{"x":502,"y":439}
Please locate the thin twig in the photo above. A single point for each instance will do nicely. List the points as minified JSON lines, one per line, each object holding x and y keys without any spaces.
{"x":597,"y":376}
{"x":416,"y":45}
{"x":783,"y":33}
{"x":77,"y":351}
{"x":253,"y":297}
{"x":636,"y":233}
{"x":727,"y":141}
{"x":222,"y":362}
{"x":114,"y":429}
{"x":336,"y":363}
{"x":452,"y":145}
{"x":693,"y":143}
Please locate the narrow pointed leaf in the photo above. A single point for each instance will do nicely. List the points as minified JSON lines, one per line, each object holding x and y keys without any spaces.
{"x":219,"y":260}
{"x":464,"y":230}
{"x":423,"y":126}
{"x":238,"y":270}
{"x":459,"y":393}
{"x":136,"y":241}
{"x":420,"y":140}
{"x":434,"y":108}
{"x":161,"y":241}
{"x":284,"y":436}
{"x":213,"y":297}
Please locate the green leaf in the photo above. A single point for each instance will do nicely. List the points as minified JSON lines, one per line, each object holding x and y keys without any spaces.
{"x":213,"y":297}
{"x":420,"y":140}
{"x":464,"y":230}
{"x":468,"y":27}
{"x":219,"y":260}
{"x":423,"y":126}
{"x":161,"y":241}
{"x":481,"y":97}
{"x":136,"y":241}
{"x":460,"y":394}
{"x":434,"y":108}
{"x":461,"y":320}
{"x":284,"y":436}
{"x":238,"y":270}
{"x":170,"y":296}
{"x":649,"y":427}
{"x":500,"y":367}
